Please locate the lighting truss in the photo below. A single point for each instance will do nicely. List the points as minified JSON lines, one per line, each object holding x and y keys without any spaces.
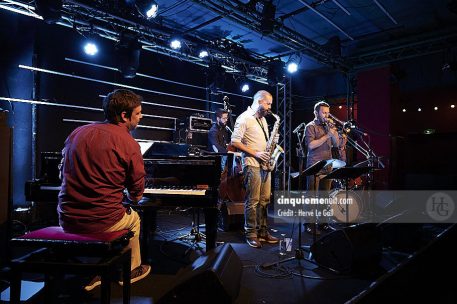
{"x":241,"y":14}
{"x":105,"y":19}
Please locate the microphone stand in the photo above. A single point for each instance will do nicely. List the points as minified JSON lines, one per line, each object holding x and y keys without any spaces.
{"x":370,"y":156}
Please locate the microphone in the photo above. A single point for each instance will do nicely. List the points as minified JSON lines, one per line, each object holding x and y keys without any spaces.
{"x":298,"y":128}
{"x":225,"y":99}
{"x":359,"y":131}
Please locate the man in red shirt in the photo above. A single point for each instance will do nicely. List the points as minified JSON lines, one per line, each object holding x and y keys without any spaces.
{"x":100,"y":161}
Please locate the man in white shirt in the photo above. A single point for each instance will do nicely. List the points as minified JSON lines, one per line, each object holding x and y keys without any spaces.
{"x":250,"y":135}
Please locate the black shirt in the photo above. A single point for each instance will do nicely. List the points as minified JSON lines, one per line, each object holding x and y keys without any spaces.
{"x":218,"y":136}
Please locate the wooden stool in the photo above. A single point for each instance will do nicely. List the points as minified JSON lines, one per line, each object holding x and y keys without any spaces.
{"x":57,"y":253}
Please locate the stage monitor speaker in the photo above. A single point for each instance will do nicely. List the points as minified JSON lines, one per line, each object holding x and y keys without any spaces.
{"x":354,"y":249}
{"x":212,"y":278}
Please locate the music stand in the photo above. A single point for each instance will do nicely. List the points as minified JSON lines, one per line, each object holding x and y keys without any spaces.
{"x":299,"y":255}
{"x":346,"y":173}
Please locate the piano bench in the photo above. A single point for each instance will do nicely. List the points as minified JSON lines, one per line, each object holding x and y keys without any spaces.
{"x":56,"y":253}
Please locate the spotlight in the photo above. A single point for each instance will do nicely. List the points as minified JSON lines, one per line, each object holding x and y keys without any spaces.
{"x":429,"y":131}
{"x":175,"y":44}
{"x":435,"y":108}
{"x":404,"y":110}
{"x":147,"y":8}
{"x":244,"y":87}
{"x":128,"y":55}
{"x":275,"y":72}
{"x":267,"y":11}
{"x":50,"y":10}
{"x":340,"y":107}
{"x":452,"y":106}
{"x":215,"y":76}
{"x":419,"y":109}
{"x":292,"y":67}
{"x":90,"y":48}
{"x":203,"y":54}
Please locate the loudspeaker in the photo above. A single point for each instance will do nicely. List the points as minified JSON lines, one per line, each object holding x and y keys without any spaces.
{"x":212,"y":278}
{"x":354,"y":249}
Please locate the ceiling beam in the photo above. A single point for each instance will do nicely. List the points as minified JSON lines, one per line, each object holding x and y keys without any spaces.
{"x":409,"y":47}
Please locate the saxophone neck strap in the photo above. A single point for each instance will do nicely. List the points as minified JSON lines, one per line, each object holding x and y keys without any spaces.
{"x":261,"y":127}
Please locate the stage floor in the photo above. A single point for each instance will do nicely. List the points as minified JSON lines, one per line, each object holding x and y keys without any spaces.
{"x":412,"y":267}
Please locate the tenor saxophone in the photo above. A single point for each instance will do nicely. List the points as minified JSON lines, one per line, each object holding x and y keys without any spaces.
{"x":273,"y":149}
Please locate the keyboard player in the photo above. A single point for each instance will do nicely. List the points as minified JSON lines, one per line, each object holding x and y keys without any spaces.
{"x":100,"y":161}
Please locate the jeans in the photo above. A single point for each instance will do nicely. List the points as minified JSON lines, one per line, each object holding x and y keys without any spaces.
{"x":258,"y":190}
{"x":131,"y":221}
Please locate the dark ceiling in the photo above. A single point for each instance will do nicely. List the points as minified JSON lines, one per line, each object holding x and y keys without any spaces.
{"x":345,"y":35}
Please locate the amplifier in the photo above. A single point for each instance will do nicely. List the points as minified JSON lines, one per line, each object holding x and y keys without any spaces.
{"x":199,"y":123}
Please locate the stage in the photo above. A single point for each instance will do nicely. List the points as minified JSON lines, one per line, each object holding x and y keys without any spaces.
{"x":407,"y":271}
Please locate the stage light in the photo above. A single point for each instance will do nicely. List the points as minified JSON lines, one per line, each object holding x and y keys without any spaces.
{"x":244,"y":87}
{"x":175,"y":44}
{"x":340,"y":107}
{"x":147,"y":8}
{"x":215,"y":76}
{"x":267,"y":11}
{"x":50,"y":10}
{"x":128,"y":55}
{"x":90,"y":48}
{"x":404,"y":110}
{"x":203,"y":54}
{"x":153,"y":10}
{"x":275,"y":72}
{"x":419,"y":109}
{"x":292,"y":67}
{"x":435,"y":108}
{"x":452,"y":106}
{"x":429,"y":131}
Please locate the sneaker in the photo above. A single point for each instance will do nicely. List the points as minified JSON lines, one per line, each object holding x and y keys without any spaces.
{"x":96,"y":281}
{"x":138,"y":273}
{"x":269,"y":239}
{"x":253,"y":242}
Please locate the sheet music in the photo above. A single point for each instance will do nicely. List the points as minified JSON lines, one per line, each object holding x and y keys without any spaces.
{"x":144,"y":145}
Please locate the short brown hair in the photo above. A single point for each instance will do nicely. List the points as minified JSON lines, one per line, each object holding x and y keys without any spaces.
{"x":120,"y":101}
{"x":320,"y":104}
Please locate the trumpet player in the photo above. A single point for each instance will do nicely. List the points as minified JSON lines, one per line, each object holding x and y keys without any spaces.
{"x":320,"y":136}
{"x":250,"y":135}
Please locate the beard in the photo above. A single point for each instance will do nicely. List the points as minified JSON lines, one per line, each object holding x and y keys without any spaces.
{"x":263,"y":112}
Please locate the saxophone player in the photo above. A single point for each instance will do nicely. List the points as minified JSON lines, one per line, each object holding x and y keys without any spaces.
{"x":250,"y":135}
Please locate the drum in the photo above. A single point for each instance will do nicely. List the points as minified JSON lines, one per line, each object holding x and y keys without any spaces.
{"x":347,"y":208}
{"x":356,"y":183}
